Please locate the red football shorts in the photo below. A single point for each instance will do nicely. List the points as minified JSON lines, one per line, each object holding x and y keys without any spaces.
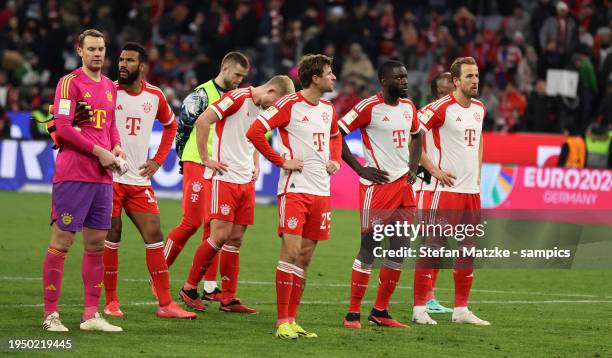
{"x":134,"y":198}
{"x":382,"y":203}
{"x":230,"y":202}
{"x":449,"y":207}
{"x":305,"y":215}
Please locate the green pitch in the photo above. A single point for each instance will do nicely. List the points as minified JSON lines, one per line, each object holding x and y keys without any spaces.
{"x":552,"y":313}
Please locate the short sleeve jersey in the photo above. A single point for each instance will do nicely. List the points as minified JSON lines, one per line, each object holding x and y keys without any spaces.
{"x":305,"y":130}
{"x":236,"y":112}
{"x":135,"y":114}
{"x":453,"y":142}
{"x":385,"y":133}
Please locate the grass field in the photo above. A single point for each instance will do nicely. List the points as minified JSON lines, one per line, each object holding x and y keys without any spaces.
{"x":536,"y":313}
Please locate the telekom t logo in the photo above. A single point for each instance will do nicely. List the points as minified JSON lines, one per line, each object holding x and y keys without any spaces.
{"x":399,"y":138}
{"x":318,"y":141}
{"x":132,"y":124}
{"x":99,"y":117}
{"x":470,"y":137}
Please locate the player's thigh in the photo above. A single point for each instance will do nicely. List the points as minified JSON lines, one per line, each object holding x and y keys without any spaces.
{"x":236,"y":236}
{"x":245,"y":211}
{"x":140,"y":199}
{"x":194,"y":194}
{"x":99,"y":214}
{"x":318,"y":219}
{"x":378,"y":203}
{"x":119,"y":196}
{"x":292,"y":213}
{"x":224,"y":201}
{"x":70,"y":203}
{"x":290,"y":247}
{"x":148,"y":224}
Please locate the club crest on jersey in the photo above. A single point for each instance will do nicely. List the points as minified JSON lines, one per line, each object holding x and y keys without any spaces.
{"x":292,"y":222}
{"x":477,"y":117}
{"x":196,"y":186}
{"x":407,"y":115}
{"x":146,"y":107}
{"x":270,"y":112}
{"x":225,"y":209}
{"x":109,"y":96}
{"x":325,"y":117}
{"x":66,"y":218}
{"x":226,"y":103}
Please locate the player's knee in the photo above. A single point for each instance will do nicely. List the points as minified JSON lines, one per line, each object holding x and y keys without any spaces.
{"x":235,"y":241}
{"x":153,"y":236}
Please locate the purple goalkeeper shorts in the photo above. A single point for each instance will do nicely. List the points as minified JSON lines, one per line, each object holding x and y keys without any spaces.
{"x":75,"y":204}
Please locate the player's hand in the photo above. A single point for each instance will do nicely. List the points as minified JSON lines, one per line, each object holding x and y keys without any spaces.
{"x":445,"y":178}
{"x":374,"y":175}
{"x":106,"y":158}
{"x":332,"y":167}
{"x":82,"y":113}
{"x":412,"y":177}
{"x":216,"y":166}
{"x":118,"y":152}
{"x":148,"y":169}
{"x":255,"y":173}
{"x":293,"y":164}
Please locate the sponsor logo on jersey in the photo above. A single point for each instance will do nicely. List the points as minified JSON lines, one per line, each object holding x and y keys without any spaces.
{"x":146,"y":107}
{"x":385,"y":119}
{"x":226,"y":103}
{"x":109,"y":96}
{"x":270,"y":112}
{"x":66,"y":218}
{"x":305,"y":119}
{"x":64,"y":107}
{"x":225,"y":209}
{"x":458,"y":119}
{"x":87,"y":94}
{"x":119,"y":108}
{"x":292,"y":222}
{"x":196,"y":186}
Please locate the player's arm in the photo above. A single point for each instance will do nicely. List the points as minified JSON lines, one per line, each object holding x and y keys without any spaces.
{"x":114,"y":133}
{"x":480,"y":151}
{"x":64,"y":106}
{"x":272,"y":118}
{"x":202,"y":124}
{"x":351,"y":121}
{"x":415,"y":149}
{"x":255,"y":165}
{"x":430,"y":120}
{"x":166,"y":117}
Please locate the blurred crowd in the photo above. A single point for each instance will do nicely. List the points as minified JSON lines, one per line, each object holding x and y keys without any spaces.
{"x":514,"y":42}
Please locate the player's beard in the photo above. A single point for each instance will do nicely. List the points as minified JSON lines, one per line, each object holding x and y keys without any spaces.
{"x":398,"y":92}
{"x":129,"y":79}
{"x":469,"y":94}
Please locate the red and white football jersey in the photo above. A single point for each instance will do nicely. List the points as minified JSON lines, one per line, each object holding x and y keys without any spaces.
{"x":305,"y":130}
{"x":134,"y":114}
{"x":236,"y":111}
{"x":385,"y":133}
{"x":453,"y":141}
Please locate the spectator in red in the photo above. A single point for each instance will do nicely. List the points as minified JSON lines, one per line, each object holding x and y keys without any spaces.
{"x":512,"y":106}
{"x":347,"y":98}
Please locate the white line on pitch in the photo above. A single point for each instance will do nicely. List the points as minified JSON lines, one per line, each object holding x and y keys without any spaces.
{"x":344,"y":285}
{"x":316,"y":302}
